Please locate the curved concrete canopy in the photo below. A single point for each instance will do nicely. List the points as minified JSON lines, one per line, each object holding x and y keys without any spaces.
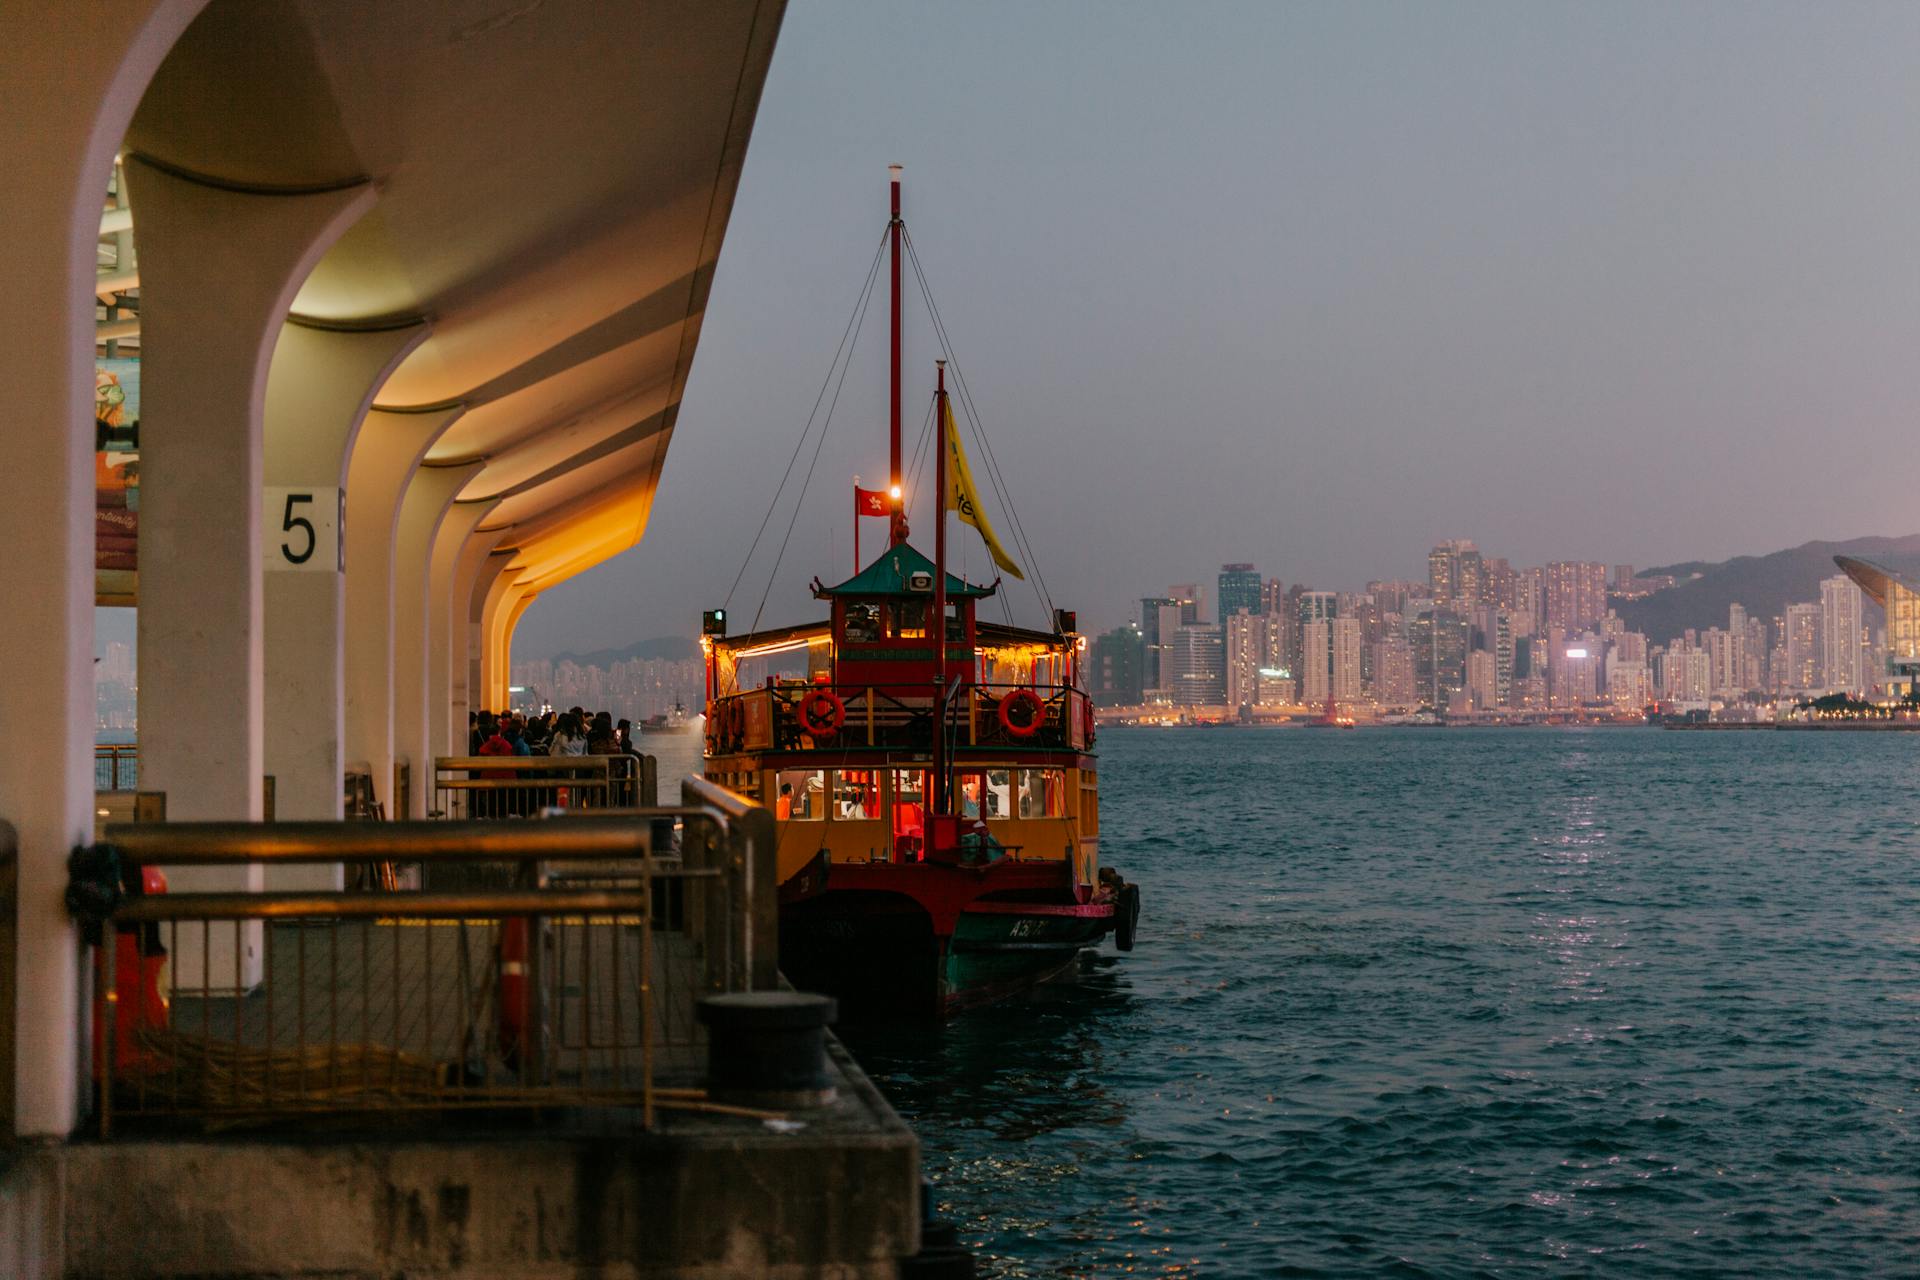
{"x":555,"y":180}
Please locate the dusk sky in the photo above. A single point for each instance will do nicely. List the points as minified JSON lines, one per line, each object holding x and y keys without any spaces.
{"x":1313,"y":286}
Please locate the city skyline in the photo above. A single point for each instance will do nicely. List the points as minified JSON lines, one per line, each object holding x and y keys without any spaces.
{"x":1483,"y":637}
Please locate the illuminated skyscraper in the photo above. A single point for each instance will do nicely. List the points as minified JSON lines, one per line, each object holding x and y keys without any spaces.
{"x":1455,"y":574}
{"x":1393,"y":673}
{"x":1239,"y":589}
{"x":1840,"y":635}
{"x":1346,"y":659}
{"x":1252,"y":646}
{"x":1199,"y":666}
{"x":1118,"y":659}
{"x":1576,"y":595}
{"x":1316,"y":660}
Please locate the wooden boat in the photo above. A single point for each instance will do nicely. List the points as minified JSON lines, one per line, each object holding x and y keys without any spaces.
{"x":937,"y":803}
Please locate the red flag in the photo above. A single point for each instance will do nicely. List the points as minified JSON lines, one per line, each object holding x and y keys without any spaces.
{"x":871,"y":502}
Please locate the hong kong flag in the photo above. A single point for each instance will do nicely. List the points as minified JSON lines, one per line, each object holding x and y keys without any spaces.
{"x":870,"y":502}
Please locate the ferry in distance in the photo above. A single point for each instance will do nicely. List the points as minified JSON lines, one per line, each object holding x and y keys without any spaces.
{"x":931,"y":771}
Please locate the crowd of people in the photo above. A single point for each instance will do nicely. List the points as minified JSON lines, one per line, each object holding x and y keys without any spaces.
{"x":556,"y":733}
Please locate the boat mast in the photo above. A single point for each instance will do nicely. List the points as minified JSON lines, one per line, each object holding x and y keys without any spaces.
{"x":898,"y":524}
{"x":939,"y":628}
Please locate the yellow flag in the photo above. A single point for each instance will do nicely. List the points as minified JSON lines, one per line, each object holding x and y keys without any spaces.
{"x":962,"y":497}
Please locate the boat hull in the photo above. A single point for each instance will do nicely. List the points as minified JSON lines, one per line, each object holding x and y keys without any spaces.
{"x":932,"y":941}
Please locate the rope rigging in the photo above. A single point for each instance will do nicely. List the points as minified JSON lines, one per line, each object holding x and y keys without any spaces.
{"x":842,"y":361}
{"x":970,"y":411}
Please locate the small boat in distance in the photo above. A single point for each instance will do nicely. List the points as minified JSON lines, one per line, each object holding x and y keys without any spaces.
{"x":676,"y":721}
{"x":931,"y":772}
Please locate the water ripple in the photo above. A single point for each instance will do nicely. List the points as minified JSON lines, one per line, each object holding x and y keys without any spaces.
{"x":1444,"y":1004}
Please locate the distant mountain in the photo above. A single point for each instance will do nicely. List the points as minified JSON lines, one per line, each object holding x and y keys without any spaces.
{"x":1764,"y":585}
{"x":666,"y":648}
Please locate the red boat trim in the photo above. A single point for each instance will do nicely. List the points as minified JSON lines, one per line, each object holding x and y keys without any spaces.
{"x":1090,"y":910}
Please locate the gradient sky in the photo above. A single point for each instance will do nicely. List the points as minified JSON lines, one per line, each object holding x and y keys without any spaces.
{"x":1315,"y":286}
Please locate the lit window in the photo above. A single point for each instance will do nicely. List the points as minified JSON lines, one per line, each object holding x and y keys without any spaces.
{"x":801,"y":795}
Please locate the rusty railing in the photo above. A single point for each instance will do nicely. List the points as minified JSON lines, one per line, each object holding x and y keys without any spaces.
{"x":573,"y":983}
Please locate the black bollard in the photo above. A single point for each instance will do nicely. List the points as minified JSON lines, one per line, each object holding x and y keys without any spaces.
{"x":768,"y":1048}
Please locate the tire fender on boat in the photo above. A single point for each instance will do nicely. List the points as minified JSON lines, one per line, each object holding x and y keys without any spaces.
{"x":1126,"y":916}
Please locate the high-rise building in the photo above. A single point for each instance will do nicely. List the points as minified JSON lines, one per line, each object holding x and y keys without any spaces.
{"x":1530,"y":602}
{"x":1119,"y":660}
{"x":1622,"y":576}
{"x":1316,"y":660}
{"x":1897,"y":669}
{"x":1239,"y":589}
{"x":1501,"y":580}
{"x":1841,"y":628}
{"x":1273,"y":596}
{"x":1454,"y":574}
{"x":1346,"y":662}
{"x":1155,"y":671}
{"x":1187,"y":596}
{"x":1313,"y":666}
{"x":1629,"y":685}
{"x":1440,"y":640}
{"x":1574,"y":671}
{"x":1252,"y":646}
{"x":1684,"y":674}
{"x":1199,"y":666}
{"x":1576,"y":595}
{"x":1393,"y":673}
{"x":1482,"y":691}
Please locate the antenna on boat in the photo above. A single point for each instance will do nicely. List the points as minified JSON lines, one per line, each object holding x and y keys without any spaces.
{"x":899,"y":521}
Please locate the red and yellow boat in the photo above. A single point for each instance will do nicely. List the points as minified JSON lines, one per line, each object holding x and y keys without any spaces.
{"x":931,"y":773}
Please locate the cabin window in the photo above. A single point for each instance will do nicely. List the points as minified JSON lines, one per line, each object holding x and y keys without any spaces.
{"x":956,"y":623}
{"x":909,"y":801}
{"x":865,"y":621}
{"x":801,"y":795}
{"x":856,"y":795}
{"x":910,"y":620}
{"x":1039,"y":793}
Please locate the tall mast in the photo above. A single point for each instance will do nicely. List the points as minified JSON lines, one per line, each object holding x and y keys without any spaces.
{"x":898,"y":525}
{"x":939,"y":628}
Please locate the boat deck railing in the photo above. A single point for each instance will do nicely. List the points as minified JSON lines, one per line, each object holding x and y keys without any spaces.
{"x":567,"y":976}
{"x":769,"y":719}
{"x":521,"y":786}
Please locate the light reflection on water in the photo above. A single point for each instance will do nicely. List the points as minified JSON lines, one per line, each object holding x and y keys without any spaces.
{"x":1454,"y":1004}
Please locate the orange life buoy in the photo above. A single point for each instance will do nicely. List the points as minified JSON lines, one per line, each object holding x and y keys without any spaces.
{"x":822,"y":713}
{"x":511,"y":1005}
{"x":1022,"y":713}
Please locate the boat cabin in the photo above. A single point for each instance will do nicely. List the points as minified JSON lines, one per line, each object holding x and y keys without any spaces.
{"x":832,"y":724}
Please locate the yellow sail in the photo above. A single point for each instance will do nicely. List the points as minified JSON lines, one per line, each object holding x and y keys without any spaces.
{"x":964,"y":499}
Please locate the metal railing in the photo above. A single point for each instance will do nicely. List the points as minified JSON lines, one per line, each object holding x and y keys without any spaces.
{"x":574,"y":986}
{"x":522,"y":786}
{"x":116,"y":766}
{"x":883,"y":717}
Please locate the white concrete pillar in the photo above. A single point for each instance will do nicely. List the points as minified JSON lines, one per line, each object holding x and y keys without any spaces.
{"x":447,"y":625}
{"x":219,"y":269}
{"x":385,"y":454}
{"x":498,"y":598}
{"x":73,"y":74}
{"x":422,"y":509}
{"x":320,"y":387}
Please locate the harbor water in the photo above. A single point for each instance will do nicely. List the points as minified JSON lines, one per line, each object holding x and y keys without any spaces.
{"x":1453,"y":1003}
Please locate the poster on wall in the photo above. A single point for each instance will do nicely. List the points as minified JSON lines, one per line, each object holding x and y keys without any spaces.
{"x":116,"y":481}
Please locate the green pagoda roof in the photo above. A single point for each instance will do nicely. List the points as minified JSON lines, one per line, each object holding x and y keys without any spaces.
{"x":887,"y":576}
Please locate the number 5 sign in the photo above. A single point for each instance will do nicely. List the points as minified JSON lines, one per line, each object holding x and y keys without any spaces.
{"x":302,"y":527}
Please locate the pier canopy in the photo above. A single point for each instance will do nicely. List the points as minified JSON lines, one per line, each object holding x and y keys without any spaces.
{"x":392,"y":307}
